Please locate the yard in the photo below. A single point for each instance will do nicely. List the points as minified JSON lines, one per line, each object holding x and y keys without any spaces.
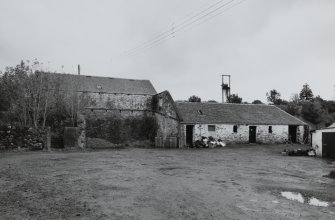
{"x":237,"y":182}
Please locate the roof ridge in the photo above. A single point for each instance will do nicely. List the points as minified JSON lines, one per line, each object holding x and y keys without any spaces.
{"x":213,"y":103}
{"x":98,"y":76}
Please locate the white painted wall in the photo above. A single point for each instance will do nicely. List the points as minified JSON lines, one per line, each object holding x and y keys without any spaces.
{"x":317,"y":140}
{"x":225,"y":132}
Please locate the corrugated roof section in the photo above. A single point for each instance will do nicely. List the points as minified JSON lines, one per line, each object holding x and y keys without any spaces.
{"x":217,"y":113}
{"x":103,"y":84}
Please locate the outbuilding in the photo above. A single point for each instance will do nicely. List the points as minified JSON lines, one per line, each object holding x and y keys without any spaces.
{"x":238,"y":123}
{"x":323,"y":141}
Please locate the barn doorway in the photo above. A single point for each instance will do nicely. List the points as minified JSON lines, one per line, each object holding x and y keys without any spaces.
{"x":328,"y":144}
{"x":189,"y":134}
{"x":292,"y":133}
{"x":252,"y":134}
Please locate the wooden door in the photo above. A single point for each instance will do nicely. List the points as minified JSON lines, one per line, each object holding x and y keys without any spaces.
{"x":252,"y":134}
{"x":328,"y":144}
{"x":189,"y":134}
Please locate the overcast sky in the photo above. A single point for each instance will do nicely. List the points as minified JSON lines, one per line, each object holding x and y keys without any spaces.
{"x":262,"y":44}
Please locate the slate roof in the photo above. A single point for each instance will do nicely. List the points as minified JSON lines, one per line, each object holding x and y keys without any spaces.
{"x":97,"y":84}
{"x":217,"y":113}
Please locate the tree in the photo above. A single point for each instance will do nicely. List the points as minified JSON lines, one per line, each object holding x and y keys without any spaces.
{"x":4,"y":98}
{"x":234,"y":98}
{"x":293,"y":108}
{"x":295,"y":98}
{"x":313,"y":112}
{"x":257,"y":102}
{"x":274,"y":97}
{"x":306,"y":93}
{"x":194,"y":98}
{"x":29,"y":94}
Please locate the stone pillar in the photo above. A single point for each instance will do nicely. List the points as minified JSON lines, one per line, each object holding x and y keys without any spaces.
{"x":81,"y":123}
{"x":48,"y":139}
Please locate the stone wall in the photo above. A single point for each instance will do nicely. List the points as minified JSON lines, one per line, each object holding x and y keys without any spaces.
{"x":225,"y":132}
{"x":115,"y":101}
{"x":300,"y":134}
{"x":120,"y":127}
{"x":116,"y":117}
{"x":167,"y":119}
{"x":13,"y":137}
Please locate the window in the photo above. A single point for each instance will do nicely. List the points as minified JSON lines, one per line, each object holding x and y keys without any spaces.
{"x":235,"y":129}
{"x":270,"y":129}
{"x":211,"y":127}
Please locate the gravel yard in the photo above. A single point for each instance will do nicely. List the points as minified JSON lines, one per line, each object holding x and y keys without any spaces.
{"x":236,"y":182}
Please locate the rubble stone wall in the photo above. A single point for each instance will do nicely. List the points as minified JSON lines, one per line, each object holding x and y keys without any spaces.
{"x":167,"y":119}
{"x":13,"y":137}
{"x":117,"y":117}
{"x":226,"y":133}
{"x":116,"y":101}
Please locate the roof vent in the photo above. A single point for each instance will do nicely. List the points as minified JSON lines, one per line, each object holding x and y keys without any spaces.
{"x":200,"y":112}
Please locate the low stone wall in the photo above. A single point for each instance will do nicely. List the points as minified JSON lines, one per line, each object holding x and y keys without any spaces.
{"x":13,"y":137}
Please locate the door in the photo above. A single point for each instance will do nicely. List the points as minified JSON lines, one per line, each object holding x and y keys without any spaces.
{"x":252,"y":134}
{"x":292,"y":133}
{"x":189,"y":134}
{"x":328,"y":144}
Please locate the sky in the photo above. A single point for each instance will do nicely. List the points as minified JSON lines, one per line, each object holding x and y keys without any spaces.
{"x":262,"y":44}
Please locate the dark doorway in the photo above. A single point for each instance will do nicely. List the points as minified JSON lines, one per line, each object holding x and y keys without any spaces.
{"x":328,"y":144}
{"x":252,"y":134}
{"x":189,"y":134}
{"x":292,"y":133}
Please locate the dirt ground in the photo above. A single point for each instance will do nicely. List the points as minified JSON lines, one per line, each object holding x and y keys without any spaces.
{"x":237,"y":182}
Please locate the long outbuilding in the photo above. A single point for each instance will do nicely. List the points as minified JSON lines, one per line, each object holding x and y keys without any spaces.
{"x":238,"y":123}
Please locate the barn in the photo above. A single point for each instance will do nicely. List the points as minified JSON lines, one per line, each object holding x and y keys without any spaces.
{"x":238,"y":123}
{"x":122,"y":110}
{"x":323,"y":141}
{"x":113,"y":109}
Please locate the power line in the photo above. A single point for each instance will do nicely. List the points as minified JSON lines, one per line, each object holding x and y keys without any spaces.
{"x":194,"y":20}
{"x":170,"y":30}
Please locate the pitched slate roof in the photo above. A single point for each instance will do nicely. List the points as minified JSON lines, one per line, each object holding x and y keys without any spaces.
{"x":217,"y":113}
{"x":72,"y":82}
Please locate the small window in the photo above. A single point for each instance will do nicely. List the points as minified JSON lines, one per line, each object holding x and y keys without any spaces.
{"x":211,"y":127}
{"x":235,"y":129}
{"x":270,"y":129}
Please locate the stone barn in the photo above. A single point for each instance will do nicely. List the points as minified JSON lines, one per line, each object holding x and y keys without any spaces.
{"x":238,"y":123}
{"x":323,"y":141}
{"x":119,"y":110}
{"x":122,"y":110}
